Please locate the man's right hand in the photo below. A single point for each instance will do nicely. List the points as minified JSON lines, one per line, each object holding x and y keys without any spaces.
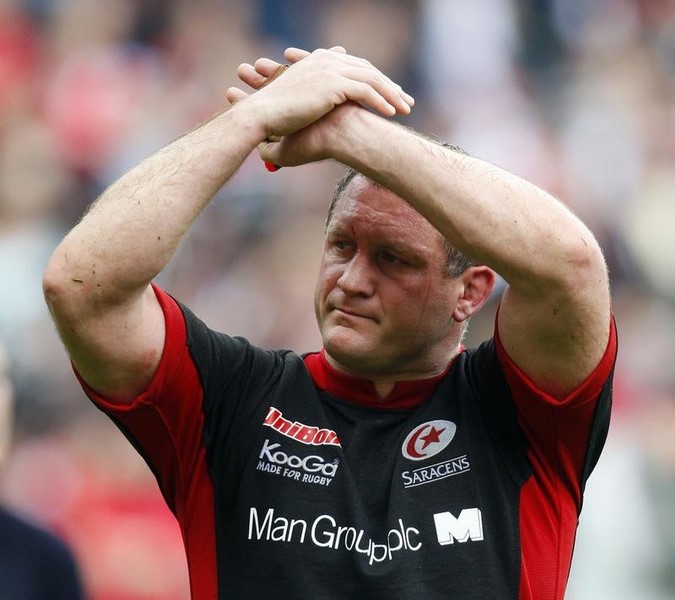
{"x":314,"y":85}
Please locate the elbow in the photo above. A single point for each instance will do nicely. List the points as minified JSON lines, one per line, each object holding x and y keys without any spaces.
{"x":586,"y":268}
{"x":65,"y":290}
{"x":57,"y":285}
{"x":78,"y":290}
{"x":587,"y":257}
{"x":566,"y":267}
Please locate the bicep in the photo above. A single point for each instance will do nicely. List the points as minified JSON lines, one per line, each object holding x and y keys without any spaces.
{"x":117,"y":351}
{"x":557,"y":336}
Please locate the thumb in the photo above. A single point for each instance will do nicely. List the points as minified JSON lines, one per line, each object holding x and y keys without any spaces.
{"x":281,"y":152}
{"x":269,"y":151}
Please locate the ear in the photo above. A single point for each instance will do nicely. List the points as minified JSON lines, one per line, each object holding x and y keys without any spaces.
{"x":478,"y":283}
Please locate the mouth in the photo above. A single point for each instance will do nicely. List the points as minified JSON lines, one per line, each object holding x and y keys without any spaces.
{"x":342,"y":311}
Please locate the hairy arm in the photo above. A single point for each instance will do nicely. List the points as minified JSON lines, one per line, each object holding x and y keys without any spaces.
{"x":97,"y":283}
{"x":554,"y":317}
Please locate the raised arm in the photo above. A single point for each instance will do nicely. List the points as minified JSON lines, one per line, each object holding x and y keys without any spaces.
{"x":97,"y":283}
{"x":555,"y":315}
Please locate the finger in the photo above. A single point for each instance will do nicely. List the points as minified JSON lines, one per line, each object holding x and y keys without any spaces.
{"x":267,"y":153}
{"x":364,"y":93}
{"x":235,"y":95}
{"x":380,"y":78}
{"x":405,"y":96}
{"x":293,"y":55}
{"x":266,"y":66}
{"x":277,"y":73}
{"x":248,"y":74}
{"x":262,"y":73}
{"x":366,"y":85}
{"x":394,"y":93}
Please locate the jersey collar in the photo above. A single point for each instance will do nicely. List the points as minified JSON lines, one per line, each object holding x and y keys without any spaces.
{"x":406,"y":395}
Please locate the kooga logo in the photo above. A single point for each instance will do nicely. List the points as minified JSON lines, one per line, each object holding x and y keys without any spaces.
{"x":309,"y":464}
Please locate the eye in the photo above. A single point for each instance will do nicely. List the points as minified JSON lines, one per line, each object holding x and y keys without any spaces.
{"x":340,"y":247}
{"x":390,"y":258}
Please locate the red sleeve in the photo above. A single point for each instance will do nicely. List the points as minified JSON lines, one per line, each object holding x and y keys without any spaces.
{"x":559,"y":429}
{"x":558,"y":433}
{"x":165,"y":424}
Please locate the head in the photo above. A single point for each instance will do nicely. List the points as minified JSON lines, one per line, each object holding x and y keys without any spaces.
{"x":393,"y":297}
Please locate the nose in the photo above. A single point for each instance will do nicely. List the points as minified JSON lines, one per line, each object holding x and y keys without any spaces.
{"x":358,"y":276}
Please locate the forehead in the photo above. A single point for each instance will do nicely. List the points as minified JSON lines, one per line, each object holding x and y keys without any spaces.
{"x":366,"y":208}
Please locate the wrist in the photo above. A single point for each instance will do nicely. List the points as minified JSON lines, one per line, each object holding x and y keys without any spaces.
{"x":359,"y":137}
{"x":243,"y":120}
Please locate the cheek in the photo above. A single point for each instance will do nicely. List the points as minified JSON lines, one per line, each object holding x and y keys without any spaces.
{"x":426,"y":306}
{"x":329,"y":273}
{"x":441,"y":304}
{"x":325,"y":282}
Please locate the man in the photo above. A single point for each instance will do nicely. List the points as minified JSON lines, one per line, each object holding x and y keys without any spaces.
{"x":391,"y":464}
{"x":34,"y":563}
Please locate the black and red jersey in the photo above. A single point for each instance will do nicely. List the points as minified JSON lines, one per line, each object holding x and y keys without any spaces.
{"x":289,"y":482}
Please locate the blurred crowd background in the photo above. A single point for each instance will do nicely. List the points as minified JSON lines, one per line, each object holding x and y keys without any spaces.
{"x":576,"y":95}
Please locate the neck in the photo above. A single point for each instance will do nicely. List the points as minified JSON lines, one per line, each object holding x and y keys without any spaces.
{"x":383,"y":388}
{"x":385,"y":384}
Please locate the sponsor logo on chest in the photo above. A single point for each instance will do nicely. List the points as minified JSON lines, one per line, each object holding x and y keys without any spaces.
{"x":296,"y":463}
{"x":325,"y":533}
{"x":305,"y":434}
{"x":310,"y":468}
{"x":426,"y":441}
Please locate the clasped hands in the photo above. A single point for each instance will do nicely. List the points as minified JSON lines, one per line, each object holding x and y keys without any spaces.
{"x":300,"y":112}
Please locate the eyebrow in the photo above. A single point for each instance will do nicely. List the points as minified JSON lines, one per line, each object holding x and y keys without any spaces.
{"x":338,"y":228}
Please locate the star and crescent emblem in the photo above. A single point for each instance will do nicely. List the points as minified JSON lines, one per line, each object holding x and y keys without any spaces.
{"x":428,"y":439}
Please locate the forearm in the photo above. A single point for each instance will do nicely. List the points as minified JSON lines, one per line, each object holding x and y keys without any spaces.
{"x":135,"y":227}
{"x":493,"y":216}
{"x":554,"y":316}
{"x":97,"y":282}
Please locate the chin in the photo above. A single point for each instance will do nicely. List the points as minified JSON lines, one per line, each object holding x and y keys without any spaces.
{"x":348,"y":349}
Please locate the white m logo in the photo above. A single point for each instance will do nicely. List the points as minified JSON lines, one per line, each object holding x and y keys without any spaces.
{"x":468,"y":526}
